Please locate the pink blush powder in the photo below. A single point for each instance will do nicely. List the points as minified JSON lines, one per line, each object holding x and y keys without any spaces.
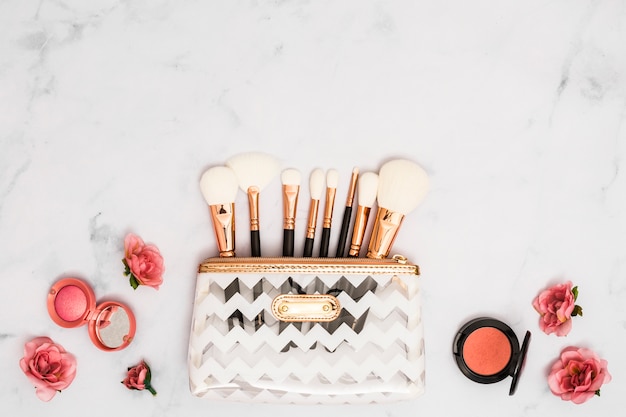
{"x":487,"y":351}
{"x":70,"y":303}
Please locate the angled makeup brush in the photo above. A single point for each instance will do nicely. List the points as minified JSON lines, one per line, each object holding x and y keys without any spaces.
{"x":254,"y":170}
{"x":291,"y":187}
{"x":402,"y":185}
{"x":316,"y":186}
{"x":219,"y":187}
{"x":347,"y":214}
{"x":332,"y":179}
{"x":368,"y":187}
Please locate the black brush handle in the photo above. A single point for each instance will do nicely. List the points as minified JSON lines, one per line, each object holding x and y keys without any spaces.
{"x":308,"y":247}
{"x":288,"y":242}
{"x":343,"y":234}
{"x":325,"y":242}
{"x":257,"y":290}
{"x":255,"y":243}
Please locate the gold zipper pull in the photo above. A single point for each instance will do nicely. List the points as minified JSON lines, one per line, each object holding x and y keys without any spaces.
{"x":400,"y":259}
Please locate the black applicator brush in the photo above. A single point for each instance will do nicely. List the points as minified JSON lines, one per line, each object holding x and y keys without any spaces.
{"x":332,"y":179}
{"x":347,"y":214}
{"x":368,"y":187}
{"x":316,"y":186}
{"x":291,"y":187}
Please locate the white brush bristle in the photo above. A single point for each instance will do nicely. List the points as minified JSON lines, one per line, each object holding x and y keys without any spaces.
{"x":290,"y":176}
{"x":367,"y":189}
{"x":219,"y":185}
{"x":402,"y":185}
{"x":316,"y":184}
{"x":254,"y":168}
{"x":332,"y":178}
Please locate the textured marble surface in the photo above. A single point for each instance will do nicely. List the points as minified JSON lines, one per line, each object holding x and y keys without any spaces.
{"x":111,"y":110}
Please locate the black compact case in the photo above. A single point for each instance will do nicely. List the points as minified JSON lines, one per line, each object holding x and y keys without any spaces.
{"x":487,"y":350}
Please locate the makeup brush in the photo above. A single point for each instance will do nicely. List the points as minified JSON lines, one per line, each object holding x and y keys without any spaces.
{"x":291,"y":187}
{"x":347,"y":213}
{"x":254,"y":170}
{"x":402,"y":185}
{"x":332,"y":179}
{"x":316,"y":185}
{"x":367,"y":189}
{"x":219,"y":187}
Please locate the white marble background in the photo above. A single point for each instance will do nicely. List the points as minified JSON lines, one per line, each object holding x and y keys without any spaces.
{"x":111,"y":110}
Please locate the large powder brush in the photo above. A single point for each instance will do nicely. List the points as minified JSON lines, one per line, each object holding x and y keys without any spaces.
{"x":219,"y":187}
{"x":402,"y":185}
{"x":254,"y":171}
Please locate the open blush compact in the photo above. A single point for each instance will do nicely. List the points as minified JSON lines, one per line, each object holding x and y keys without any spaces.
{"x":72,"y":303}
{"x":487,"y":351}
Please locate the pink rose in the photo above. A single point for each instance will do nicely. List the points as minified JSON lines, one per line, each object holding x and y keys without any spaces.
{"x":144,"y":263}
{"x":139,"y":377}
{"x":578,"y":375}
{"x":48,"y":366}
{"x":556,"y":305}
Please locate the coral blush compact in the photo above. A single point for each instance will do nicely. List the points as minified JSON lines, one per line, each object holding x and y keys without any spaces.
{"x":487,"y":351}
{"x":72,"y":303}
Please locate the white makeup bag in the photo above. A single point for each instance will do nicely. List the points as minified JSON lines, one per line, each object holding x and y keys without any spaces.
{"x":307,"y":330}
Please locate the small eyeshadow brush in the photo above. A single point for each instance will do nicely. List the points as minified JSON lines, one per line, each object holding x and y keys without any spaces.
{"x":367,"y":189}
{"x":347,"y":213}
{"x":291,"y":188}
{"x":316,"y":186}
{"x":332,"y":179}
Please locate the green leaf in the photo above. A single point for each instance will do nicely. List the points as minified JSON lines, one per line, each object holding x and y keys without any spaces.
{"x":575,"y":292}
{"x":126,"y":267}
{"x":133,"y":282}
{"x":148,"y":377}
{"x":578,"y":311}
{"x":598,"y":393}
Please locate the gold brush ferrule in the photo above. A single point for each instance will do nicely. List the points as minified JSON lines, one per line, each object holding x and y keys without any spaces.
{"x":223,"y":216}
{"x":310,"y":227}
{"x":384,"y":233}
{"x":360,"y":224}
{"x":352,"y":189}
{"x":328,"y":208}
{"x":290,"y":203}
{"x":253,"y":203}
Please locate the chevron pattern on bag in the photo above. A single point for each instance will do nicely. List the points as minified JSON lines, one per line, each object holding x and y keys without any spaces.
{"x":374,"y":351}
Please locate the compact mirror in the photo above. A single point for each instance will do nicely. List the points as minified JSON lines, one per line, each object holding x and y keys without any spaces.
{"x":72,"y":303}
{"x":113,"y":327}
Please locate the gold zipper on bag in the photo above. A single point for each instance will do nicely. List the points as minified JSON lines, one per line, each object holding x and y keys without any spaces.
{"x":397,"y":264}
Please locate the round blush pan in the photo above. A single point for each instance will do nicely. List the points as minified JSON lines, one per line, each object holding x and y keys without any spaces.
{"x":70,"y":303}
{"x":487,"y":351}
